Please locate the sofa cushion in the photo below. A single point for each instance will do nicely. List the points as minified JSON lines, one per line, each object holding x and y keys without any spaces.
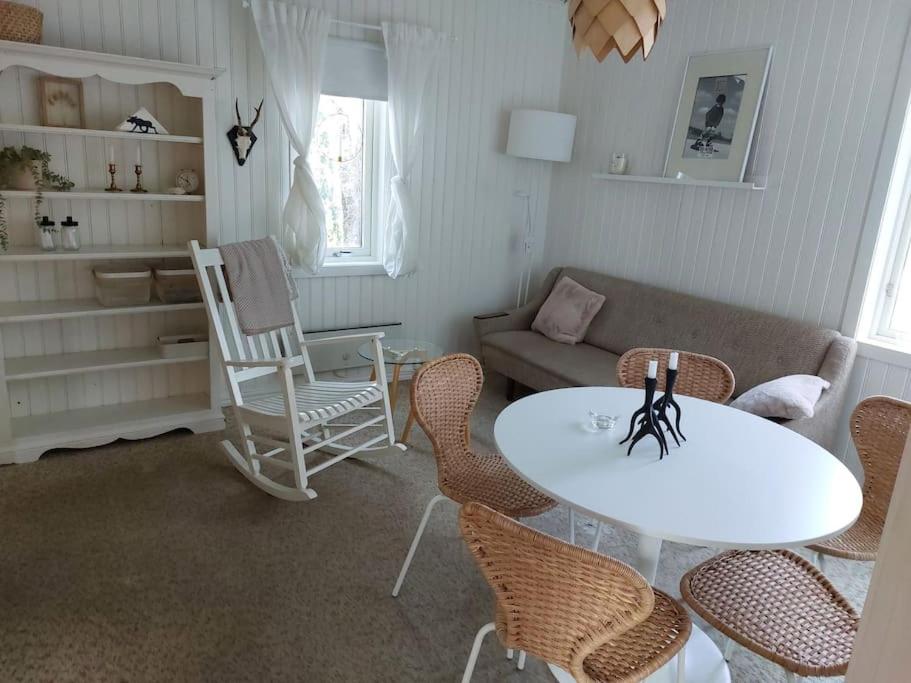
{"x":792,"y":397}
{"x":757,"y":346}
{"x":567,"y":312}
{"x":538,"y":362}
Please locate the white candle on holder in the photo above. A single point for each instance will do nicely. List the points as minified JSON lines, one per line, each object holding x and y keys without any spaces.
{"x":672,"y":362}
{"x":652,"y":369}
{"x":111,"y":153}
{"x":138,"y":155}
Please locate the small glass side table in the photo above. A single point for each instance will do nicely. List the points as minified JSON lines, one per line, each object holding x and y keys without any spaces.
{"x":398,"y":353}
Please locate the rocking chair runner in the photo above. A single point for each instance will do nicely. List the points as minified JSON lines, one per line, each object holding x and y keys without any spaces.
{"x":304,"y":413}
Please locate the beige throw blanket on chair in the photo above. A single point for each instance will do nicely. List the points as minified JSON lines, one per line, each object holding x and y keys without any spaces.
{"x":259,"y":277}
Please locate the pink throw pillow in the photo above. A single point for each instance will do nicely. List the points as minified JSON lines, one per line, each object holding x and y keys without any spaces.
{"x":567,"y":312}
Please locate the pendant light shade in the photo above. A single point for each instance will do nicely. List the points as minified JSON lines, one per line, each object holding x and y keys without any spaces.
{"x":624,"y":25}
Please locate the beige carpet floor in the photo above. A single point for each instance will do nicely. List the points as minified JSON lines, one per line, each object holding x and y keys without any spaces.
{"x":157,"y":561}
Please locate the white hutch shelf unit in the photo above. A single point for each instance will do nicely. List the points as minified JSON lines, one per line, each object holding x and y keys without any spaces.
{"x":73,"y":373}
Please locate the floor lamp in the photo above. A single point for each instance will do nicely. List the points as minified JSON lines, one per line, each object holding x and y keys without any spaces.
{"x":544,"y":135}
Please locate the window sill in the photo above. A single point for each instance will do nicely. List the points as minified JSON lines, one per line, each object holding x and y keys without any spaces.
{"x":885,"y":352}
{"x":344,"y":269}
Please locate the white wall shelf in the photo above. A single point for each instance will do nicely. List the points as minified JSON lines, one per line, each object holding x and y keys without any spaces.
{"x":686,"y":182}
{"x":33,"y":311}
{"x":89,"y":133}
{"x":91,"y":253}
{"x":57,"y":365}
{"x":111,"y":196}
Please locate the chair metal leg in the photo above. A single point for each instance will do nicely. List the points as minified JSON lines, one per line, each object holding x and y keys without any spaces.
{"x":509,"y":653}
{"x":521,"y":665}
{"x":598,"y":533}
{"x":681,"y":665}
{"x":791,"y":677}
{"x":572,"y":527}
{"x":729,"y":649}
{"x":820,"y":561}
{"x":475,"y":649}
{"x":414,"y":543}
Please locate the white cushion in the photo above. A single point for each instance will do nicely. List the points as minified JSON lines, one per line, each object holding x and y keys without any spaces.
{"x":790,"y":397}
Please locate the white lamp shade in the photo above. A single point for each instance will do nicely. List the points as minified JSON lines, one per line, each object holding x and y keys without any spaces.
{"x":535,"y":134}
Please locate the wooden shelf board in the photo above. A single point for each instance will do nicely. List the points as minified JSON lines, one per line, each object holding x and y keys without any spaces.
{"x":70,"y":425}
{"x":687,"y":182}
{"x":55,"y":365}
{"x":112,"y":196}
{"x":90,"y":253}
{"x":89,"y":133}
{"x":29,"y":311}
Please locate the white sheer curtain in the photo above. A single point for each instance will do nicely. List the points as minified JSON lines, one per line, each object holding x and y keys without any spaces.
{"x":293,"y":39}
{"x":412,"y":53}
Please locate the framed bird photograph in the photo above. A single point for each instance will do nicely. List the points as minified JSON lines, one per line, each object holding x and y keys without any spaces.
{"x":716,"y":114}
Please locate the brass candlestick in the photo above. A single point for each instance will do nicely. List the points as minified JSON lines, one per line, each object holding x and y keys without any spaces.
{"x":112,"y":169}
{"x":137,"y":169}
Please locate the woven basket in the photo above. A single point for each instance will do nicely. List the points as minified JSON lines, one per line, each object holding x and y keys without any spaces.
{"x":20,"y":22}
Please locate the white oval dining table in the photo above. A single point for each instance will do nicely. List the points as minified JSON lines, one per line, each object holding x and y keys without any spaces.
{"x":738,"y":481}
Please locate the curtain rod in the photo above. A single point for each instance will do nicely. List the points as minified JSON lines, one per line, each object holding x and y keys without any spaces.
{"x":354,"y":24}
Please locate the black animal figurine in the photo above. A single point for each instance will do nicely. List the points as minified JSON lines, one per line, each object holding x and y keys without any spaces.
{"x":142,"y":125}
{"x":242,"y":137}
{"x":647,"y":425}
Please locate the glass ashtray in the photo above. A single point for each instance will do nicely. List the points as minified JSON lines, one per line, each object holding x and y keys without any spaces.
{"x":602,"y":422}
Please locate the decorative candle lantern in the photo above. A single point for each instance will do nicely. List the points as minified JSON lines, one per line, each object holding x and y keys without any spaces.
{"x":667,"y":399}
{"x":647,"y":424}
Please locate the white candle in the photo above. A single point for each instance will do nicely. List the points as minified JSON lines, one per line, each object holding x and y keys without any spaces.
{"x":652,"y":369}
{"x":672,"y":362}
{"x":111,"y":153}
{"x":138,"y":155}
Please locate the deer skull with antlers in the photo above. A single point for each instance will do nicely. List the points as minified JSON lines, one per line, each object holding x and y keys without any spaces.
{"x":242,"y":137}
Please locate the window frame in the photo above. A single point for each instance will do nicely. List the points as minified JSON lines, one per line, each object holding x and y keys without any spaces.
{"x":884,"y":223}
{"x":896,"y":262}
{"x":373,"y":201}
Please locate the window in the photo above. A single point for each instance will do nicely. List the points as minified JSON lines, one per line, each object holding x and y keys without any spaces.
{"x":892,"y":314}
{"x":347,"y":156}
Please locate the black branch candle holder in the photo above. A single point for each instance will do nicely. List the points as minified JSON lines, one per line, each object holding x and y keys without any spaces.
{"x":667,"y":401}
{"x":647,"y":425}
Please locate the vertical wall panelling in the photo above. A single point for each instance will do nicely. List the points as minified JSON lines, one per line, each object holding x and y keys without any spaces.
{"x":509,"y":53}
{"x":789,"y":249}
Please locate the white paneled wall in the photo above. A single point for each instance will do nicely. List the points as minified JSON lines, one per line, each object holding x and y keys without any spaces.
{"x":508,"y":54}
{"x":789,"y":249}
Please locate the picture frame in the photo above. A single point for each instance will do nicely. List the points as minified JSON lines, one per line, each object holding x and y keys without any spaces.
{"x":716,"y":114}
{"x":61,"y":103}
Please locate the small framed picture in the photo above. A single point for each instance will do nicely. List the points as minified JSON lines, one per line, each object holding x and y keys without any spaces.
{"x":61,"y":102}
{"x":716,"y":114}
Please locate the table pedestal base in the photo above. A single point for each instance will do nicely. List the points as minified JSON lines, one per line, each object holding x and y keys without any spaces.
{"x":704,"y":664}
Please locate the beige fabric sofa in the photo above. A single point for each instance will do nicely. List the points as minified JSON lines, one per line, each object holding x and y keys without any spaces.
{"x":757,"y":346}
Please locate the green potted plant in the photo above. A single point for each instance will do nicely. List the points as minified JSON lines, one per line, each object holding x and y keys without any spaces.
{"x":26,"y":168}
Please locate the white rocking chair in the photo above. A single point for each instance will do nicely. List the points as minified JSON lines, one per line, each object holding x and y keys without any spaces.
{"x":305,"y":413}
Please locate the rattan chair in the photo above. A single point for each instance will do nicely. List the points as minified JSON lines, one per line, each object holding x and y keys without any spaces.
{"x":879,"y":428}
{"x":443,"y":395}
{"x":698,"y":375}
{"x":586,"y":613}
{"x":778,"y":605}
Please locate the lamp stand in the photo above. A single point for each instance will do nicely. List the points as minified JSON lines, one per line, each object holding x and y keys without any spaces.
{"x":527,"y":248}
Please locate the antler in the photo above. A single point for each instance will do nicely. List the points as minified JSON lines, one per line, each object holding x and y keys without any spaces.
{"x":237,"y":109}
{"x":258,"y":109}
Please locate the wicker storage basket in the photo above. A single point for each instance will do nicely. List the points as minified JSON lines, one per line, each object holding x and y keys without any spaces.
{"x":20,"y":22}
